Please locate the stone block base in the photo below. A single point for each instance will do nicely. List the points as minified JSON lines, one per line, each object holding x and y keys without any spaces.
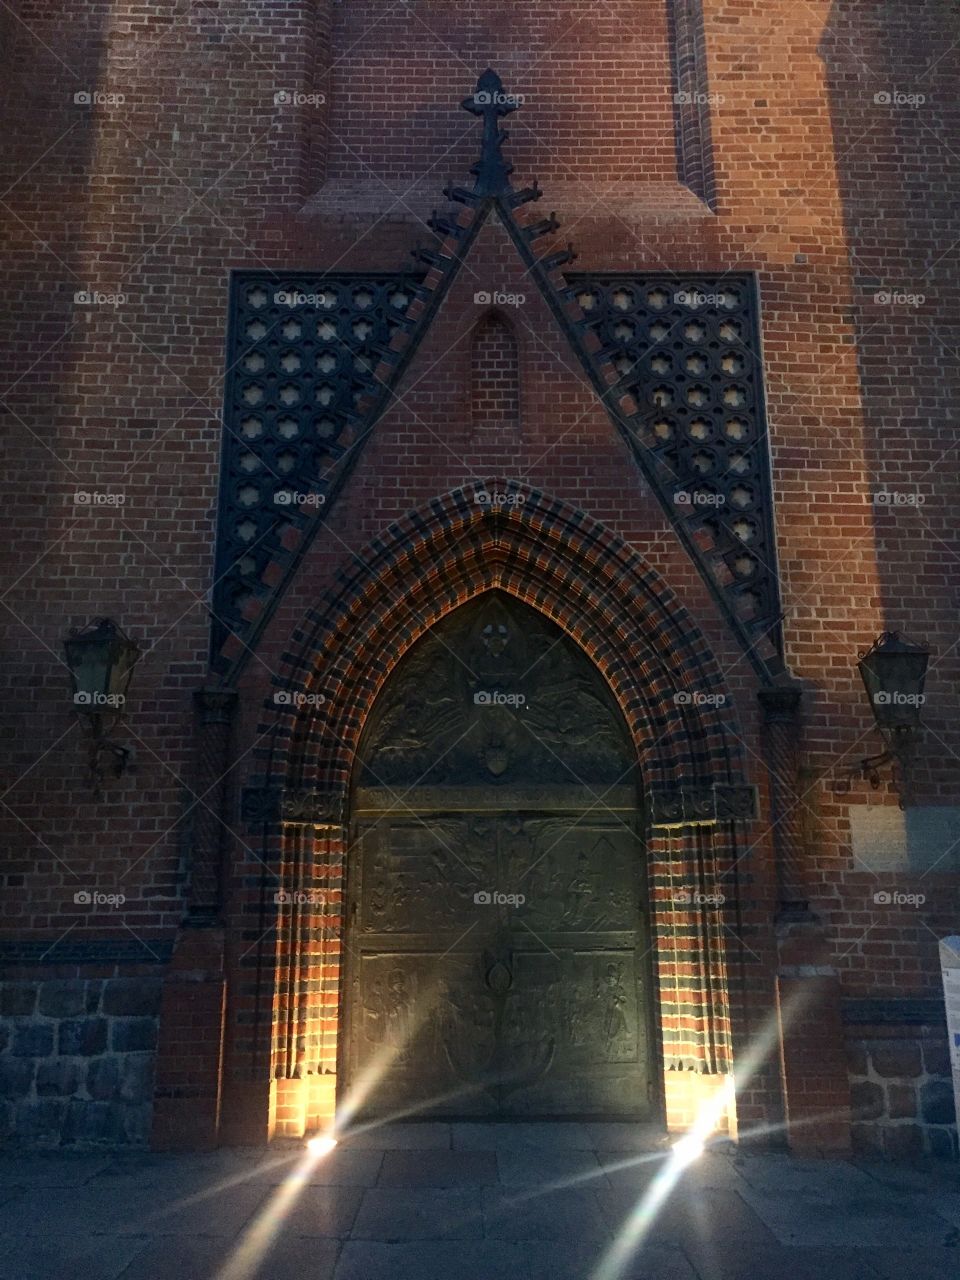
{"x":901,"y":1091}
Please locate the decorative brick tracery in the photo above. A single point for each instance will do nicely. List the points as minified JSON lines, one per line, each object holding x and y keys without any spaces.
{"x":316,"y":359}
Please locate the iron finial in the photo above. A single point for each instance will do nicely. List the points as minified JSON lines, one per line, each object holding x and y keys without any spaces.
{"x":489,"y":101}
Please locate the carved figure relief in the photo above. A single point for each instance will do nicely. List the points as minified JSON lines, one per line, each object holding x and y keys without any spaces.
{"x":495,"y":685}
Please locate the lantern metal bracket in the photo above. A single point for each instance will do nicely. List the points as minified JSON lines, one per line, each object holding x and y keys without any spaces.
{"x":105,"y":756}
{"x":899,"y":750}
{"x":898,"y":754}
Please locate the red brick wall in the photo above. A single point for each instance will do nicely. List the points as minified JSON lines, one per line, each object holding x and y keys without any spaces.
{"x":896,"y":183}
{"x":595,"y":80}
{"x":494,"y":375}
{"x":829,"y":196}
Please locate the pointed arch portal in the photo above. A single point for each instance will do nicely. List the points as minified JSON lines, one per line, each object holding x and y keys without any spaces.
{"x":497,"y":952}
{"x":392,"y":791}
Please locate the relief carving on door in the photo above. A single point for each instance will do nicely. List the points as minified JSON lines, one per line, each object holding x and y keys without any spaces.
{"x":495,"y":693}
{"x":497,"y":958}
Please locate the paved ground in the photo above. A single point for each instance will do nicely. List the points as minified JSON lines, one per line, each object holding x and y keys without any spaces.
{"x":474,"y":1202}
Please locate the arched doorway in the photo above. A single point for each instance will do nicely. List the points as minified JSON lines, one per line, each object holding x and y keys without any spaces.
{"x":621,"y":617}
{"x":497,"y":958}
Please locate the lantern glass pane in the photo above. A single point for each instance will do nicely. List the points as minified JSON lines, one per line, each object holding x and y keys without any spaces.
{"x":893,"y":674}
{"x":89,"y":666}
{"x":100,"y":660}
{"x":122,"y":668}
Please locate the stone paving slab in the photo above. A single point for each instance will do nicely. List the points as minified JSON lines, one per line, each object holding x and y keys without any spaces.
{"x":905,"y":1264}
{"x":469,"y":1260}
{"x":400,"y":1137}
{"x":532,"y":1167}
{"x":438,"y":1169}
{"x":659,"y":1262}
{"x":883,"y":1219}
{"x":569,"y":1214}
{"x":929,"y":1176}
{"x":195,"y":1256}
{"x":320,"y":1211}
{"x":500,"y":1137}
{"x":221,"y":1213}
{"x":198,"y":1259}
{"x":179,"y":1177}
{"x":692,"y":1217}
{"x":636,"y":1171}
{"x":345,"y":1167}
{"x":946,"y":1204}
{"x":81,"y":1211}
{"x":389,"y":1215}
{"x":78,"y":1257}
{"x":748,"y":1260}
{"x":607,"y":1136}
{"x":783,"y":1175}
{"x":473,"y":1202}
{"x":53,"y":1170}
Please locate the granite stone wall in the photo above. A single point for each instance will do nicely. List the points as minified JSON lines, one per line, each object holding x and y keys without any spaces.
{"x":902,"y":1092}
{"x":77,"y":1060}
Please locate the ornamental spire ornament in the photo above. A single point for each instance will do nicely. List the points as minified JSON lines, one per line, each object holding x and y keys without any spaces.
{"x":492,"y":171}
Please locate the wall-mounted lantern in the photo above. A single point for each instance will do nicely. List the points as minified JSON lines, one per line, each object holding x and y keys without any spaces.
{"x":893,"y":674}
{"x":101,"y":658}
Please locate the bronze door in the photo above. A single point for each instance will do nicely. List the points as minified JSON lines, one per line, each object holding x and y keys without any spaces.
{"x":497,"y":958}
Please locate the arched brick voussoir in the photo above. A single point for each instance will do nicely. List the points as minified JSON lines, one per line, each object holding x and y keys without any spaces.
{"x":546,"y":553}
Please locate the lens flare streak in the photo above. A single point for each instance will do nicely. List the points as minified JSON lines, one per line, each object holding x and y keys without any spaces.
{"x":257,"y":1240}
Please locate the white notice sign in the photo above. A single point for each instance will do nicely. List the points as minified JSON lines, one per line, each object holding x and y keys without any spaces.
{"x":950,"y":965}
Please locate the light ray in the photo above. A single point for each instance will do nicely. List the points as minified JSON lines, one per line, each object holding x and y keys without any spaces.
{"x":688,"y":1149}
{"x":254,"y":1244}
{"x":321,"y":1144}
{"x":256,"y":1169}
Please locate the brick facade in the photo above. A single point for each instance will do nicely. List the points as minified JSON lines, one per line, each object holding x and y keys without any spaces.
{"x":150,"y":154}
{"x":494,"y":376}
